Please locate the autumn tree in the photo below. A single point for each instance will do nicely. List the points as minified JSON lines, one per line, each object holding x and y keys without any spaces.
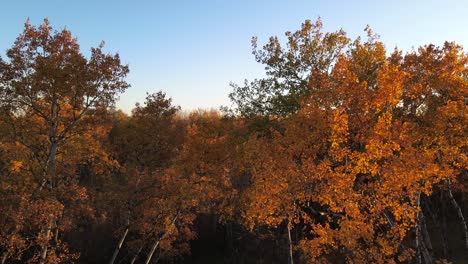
{"x":157,"y":202}
{"x":435,"y":101}
{"x":352,"y":161}
{"x":343,"y":153}
{"x":151,"y":137}
{"x":50,"y":96}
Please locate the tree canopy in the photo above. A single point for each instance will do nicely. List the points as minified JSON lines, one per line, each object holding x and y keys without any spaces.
{"x":344,"y":153}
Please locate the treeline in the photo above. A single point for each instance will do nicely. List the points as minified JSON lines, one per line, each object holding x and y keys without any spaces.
{"x":343,"y":153}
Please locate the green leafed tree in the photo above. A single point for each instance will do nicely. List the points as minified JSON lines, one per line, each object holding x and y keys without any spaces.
{"x":288,"y":69}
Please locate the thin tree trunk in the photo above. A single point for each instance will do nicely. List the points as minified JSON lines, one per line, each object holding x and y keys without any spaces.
{"x":424,"y":241}
{"x":156,"y":244}
{"x":136,"y":255}
{"x":44,"y":249}
{"x":417,"y":241}
{"x":119,"y":245}
{"x":426,"y":237}
{"x":4,"y":257}
{"x":427,"y":205}
{"x":444,"y":229}
{"x":290,"y":253}
{"x":153,"y":249}
{"x":418,"y":252}
{"x":52,"y":158}
{"x":459,"y":212}
{"x":425,"y":253}
{"x":50,"y":173}
{"x":56,"y":235}
{"x":422,"y":237}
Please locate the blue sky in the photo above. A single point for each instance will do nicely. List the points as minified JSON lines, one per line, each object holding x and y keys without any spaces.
{"x":193,"y":49}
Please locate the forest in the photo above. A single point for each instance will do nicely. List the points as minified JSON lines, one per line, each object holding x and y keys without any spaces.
{"x":345,"y":152}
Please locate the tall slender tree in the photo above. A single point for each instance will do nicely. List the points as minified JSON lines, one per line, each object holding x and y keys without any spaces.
{"x":50,"y":93}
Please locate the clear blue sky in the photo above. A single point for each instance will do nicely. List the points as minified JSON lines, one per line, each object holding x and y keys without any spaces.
{"x":193,"y":49}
